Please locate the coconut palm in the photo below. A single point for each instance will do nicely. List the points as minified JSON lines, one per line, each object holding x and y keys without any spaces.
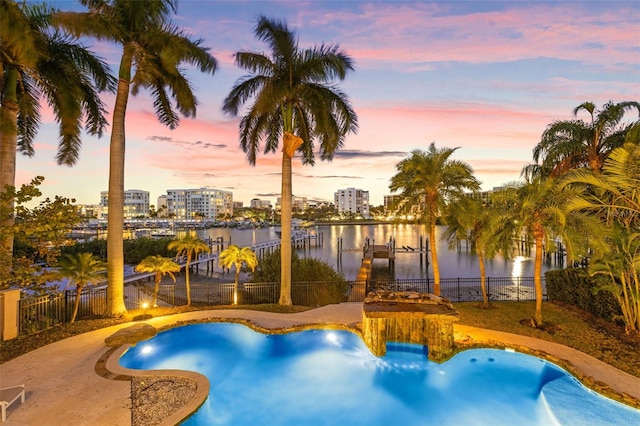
{"x":37,"y":62}
{"x":81,"y":269}
{"x":236,"y":256}
{"x":159,"y":266}
{"x":567,"y":145}
{"x":429,"y":179}
{"x":189,"y":246}
{"x":293,"y":99}
{"x":533,"y":209}
{"x":153,"y":53}
{"x":469,"y":218}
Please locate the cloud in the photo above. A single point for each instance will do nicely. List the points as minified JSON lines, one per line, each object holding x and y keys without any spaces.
{"x":354,"y":153}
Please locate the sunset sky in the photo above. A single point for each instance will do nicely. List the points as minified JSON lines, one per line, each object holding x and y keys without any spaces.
{"x":487,"y":77}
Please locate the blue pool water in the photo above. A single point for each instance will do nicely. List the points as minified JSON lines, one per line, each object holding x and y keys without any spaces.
{"x":326,"y":377}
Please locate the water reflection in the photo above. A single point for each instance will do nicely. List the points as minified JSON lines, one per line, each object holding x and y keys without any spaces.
{"x":409,"y":264}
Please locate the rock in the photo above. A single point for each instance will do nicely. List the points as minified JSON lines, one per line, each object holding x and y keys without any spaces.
{"x":131,"y":335}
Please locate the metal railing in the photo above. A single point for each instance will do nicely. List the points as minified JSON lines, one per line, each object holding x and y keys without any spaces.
{"x":37,"y":314}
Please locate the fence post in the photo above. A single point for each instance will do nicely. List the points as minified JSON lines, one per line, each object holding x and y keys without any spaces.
{"x":9,"y":314}
{"x":488,"y":289}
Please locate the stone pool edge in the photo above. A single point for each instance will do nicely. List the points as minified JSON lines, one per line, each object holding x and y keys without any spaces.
{"x":463,"y":341}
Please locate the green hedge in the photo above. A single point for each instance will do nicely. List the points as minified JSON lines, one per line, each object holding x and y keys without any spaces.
{"x":575,"y":287}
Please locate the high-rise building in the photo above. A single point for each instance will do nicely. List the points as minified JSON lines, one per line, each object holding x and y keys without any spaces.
{"x":197,"y":203}
{"x":136,"y":204}
{"x":352,"y":200}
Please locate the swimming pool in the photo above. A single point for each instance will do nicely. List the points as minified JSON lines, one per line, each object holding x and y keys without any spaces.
{"x":327,"y":377}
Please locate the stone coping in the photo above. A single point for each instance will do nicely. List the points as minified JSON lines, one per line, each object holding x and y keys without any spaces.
{"x":115,"y":371}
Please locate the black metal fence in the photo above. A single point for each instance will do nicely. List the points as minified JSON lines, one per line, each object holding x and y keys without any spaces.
{"x":37,"y":314}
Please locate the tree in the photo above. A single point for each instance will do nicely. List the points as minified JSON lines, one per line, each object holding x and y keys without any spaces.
{"x":38,"y":62}
{"x":293,"y":99}
{"x":428,"y":179}
{"x":40,"y":232}
{"x":153,"y":52}
{"x":572,"y":144}
{"x":533,"y":209}
{"x":612,"y":198}
{"x":468,"y":218}
{"x":189,"y":246}
{"x":159,"y":266}
{"x":236,"y":256}
{"x":81,"y":269}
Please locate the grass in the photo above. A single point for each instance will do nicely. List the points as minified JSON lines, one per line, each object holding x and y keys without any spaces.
{"x":572,"y":327}
{"x":568,"y":326}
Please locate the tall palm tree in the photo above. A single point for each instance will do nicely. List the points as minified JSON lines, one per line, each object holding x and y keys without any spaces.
{"x":159,"y":266}
{"x":429,"y":179}
{"x":81,"y":269}
{"x":189,"y":246}
{"x":153,"y":52}
{"x":534,"y":209}
{"x":567,"y":145}
{"x":294,"y":98}
{"x":236,"y":256}
{"x":38,"y":62}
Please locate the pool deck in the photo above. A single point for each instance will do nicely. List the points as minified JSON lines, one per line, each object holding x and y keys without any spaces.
{"x":63,"y":387}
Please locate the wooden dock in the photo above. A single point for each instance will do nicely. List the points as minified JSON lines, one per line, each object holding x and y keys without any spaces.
{"x":371,"y":252}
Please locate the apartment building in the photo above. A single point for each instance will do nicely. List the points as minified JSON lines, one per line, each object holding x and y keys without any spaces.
{"x":352,"y":200}
{"x":260,"y":204}
{"x":196,"y":203}
{"x":297,"y":203}
{"x":136,"y":204}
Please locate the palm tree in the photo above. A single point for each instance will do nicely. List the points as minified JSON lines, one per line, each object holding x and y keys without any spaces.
{"x":160,"y":266}
{"x":81,"y":269}
{"x":36,"y":61}
{"x":236,"y":256}
{"x":429,"y":179}
{"x":612,"y":197}
{"x":533,"y":209}
{"x":153,"y":52}
{"x":469,"y":218}
{"x":567,"y":145}
{"x":293,"y":99}
{"x":189,"y":246}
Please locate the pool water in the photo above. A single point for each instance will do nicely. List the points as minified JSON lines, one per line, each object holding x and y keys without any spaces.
{"x":327,"y":377}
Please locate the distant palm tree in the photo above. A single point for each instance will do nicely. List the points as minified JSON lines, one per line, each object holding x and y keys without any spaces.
{"x":81,"y":269}
{"x":236,"y":256}
{"x":153,"y":53}
{"x":159,"y":266}
{"x":189,"y":246}
{"x":39,"y":63}
{"x":574,"y":144}
{"x":294,"y":99}
{"x":428,"y":179}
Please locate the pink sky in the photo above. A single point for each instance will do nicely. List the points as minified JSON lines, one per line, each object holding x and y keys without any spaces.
{"x":485,"y":77}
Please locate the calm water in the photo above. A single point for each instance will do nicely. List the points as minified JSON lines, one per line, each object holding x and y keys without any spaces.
{"x":408,"y":265}
{"x":323,"y":377}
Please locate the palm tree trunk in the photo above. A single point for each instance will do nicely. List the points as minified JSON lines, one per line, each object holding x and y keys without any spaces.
{"x":76,"y":304}
{"x":186,"y":279}
{"x":115,"y":218}
{"x":434,"y":258}
{"x":8,"y":151}
{"x":285,"y":222}
{"x":483,"y":276}
{"x":537,"y":276}
{"x":235,"y":286}
{"x":158,"y":277}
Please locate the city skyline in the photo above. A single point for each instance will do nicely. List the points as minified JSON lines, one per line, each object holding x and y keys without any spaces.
{"x":487,"y":77}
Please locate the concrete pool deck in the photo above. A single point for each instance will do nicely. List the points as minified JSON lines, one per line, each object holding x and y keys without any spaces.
{"x":63,"y":387}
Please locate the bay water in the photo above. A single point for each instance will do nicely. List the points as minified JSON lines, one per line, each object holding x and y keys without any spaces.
{"x":341,"y":246}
